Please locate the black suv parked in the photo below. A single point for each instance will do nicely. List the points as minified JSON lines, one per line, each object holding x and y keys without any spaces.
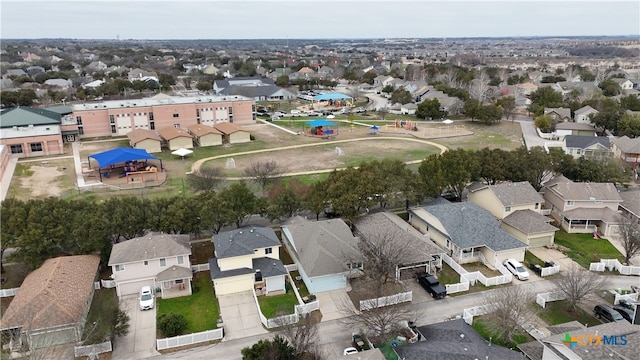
{"x":607,"y":313}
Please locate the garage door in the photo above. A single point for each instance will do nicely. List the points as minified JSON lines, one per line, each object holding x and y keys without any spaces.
{"x":234,"y":284}
{"x":540,"y":241}
{"x":133,"y":287}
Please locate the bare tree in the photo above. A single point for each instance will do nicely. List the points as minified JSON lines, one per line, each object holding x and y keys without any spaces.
{"x":577,"y":284}
{"x":263,"y":172}
{"x":629,"y":237}
{"x":205,"y":178}
{"x":303,"y":336}
{"x":508,"y":310}
{"x":383,"y":112}
{"x":478,"y":87}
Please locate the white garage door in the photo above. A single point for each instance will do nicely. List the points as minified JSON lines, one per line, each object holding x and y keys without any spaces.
{"x":540,"y":241}
{"x":133,"y":287}
{"x":234,"y":284}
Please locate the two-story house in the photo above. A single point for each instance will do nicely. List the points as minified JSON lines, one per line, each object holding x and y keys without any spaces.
{"x":247,"y":259}
{"x":518,"y":206}
{"x":584,"y":114}
{"x":157,"y":260}
{"x":583,"y":207}
{"x":628,"y":150}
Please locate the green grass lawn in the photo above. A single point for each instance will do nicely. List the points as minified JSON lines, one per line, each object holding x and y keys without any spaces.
{"x":447,"y":275}
{"x":530,"y":258}
{"x":272,"y":306}
{"x":300,"y":285}
{"x":584,"y":249}
{"x":101,"y":316}
{"x":200,"y":309}
{"x":559,"y":312}
{"x":479,"y":324}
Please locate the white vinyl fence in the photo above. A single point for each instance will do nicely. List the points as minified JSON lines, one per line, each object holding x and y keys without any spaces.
{"x":469,"y":278}
{"x":629,"y":298}
{"x":614,"y":264}
{"x":8,"y":292}
{"x":92,"y":350}
{"x":108,"y":284}
{"x":468,"y":314}
{"x":544,"y":298}
{"x":385,"y":301}
{"x":189,"y":339}
{"x":550,"y":270}
{"x":200,"y":267}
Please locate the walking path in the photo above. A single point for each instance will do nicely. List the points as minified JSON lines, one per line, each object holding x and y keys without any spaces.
{"x":6,"y":177}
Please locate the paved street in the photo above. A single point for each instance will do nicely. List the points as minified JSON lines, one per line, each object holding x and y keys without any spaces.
{"x":334,"y":334}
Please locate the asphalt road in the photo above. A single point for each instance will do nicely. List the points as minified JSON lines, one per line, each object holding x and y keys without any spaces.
{"x":335,"y":333}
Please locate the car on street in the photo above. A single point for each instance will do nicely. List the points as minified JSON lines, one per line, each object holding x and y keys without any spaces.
{"x":517,"y":269}
{"x":350,"y":351}
{"x":606,"y":313}
{"x":146,"y":298}
{"x":626,"y":313}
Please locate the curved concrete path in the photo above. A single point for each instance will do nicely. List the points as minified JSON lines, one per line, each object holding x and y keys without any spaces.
{"x":196,"y":165}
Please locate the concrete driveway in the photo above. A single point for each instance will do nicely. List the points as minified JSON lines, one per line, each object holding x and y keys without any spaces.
{"x":331,"y":302}
{"x":240,"y":315}
{"x":140,"y":342}
{"x":554,"y":255}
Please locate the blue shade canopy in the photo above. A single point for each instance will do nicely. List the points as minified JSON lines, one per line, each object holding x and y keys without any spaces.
{"x":320,"y":122}
{"x":120,"y":155}
{"x":331,"y":96}
{"x":374,"y":127}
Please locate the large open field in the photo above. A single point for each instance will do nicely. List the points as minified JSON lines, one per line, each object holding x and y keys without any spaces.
{"x":56,"y":177}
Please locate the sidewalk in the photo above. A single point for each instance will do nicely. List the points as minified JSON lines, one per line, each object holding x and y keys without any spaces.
{"x":6,"y":177}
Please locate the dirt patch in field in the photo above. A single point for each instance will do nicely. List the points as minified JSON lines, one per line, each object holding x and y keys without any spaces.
{"x":43,"y":181}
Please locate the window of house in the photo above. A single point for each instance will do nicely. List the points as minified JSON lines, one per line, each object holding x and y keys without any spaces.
{"x":36,"y":146}
{"x":230,"y":110}
{"x":176,"y":115}
{"x":176,"y":125}
{"x":151,"y":115}
{"x":79,"y":120}
{"x":268,"y":250}
{"x":146,"y":263}
{"x":163,"y":262}
{"x":179,"y":281}
{"x":152,"y":125}
{"x":120,"y":267}
{"x":113,"y":129}
{"x":355,"y":265}
{"x":16,"y":149}
{"x":570,"y":203}
{"x":180,"y":259}
{"x":537,"y":206}
{"x":507,"y":208}
{"x":80,"y":130}
{"x":112,"y":120}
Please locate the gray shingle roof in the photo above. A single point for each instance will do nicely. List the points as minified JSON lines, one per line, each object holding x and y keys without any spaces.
{"x":512,"y":194}
{"x":631,"y":200}
{"x":584,"y":109}
{"x":322,"y":247}
{"x":269,"y":267}
{"x":148,"y":247}
{"x":583,"y":142}
{"x":569,"y":190}
{"x":173,"y":273}
{"x":529,"y":222}
{"x":244,"y":241}
{"x":628,"y":145}
{"x":470,"y":226}
{"x":25,"y":116}
{"x":216,"y":273}
{"x":575,"y":126}
{"x":453,"y":340}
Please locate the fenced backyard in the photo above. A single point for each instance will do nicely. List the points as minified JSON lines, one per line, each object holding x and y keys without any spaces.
{"x":468,"y":279}
{"x":190,"y":339}
{"x":614,"y":264}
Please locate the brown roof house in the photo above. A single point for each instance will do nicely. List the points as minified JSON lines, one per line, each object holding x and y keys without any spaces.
{"x":145,"y":139}
{"x":205,"y":135}
{"x":176,"y":138}
{"x":52,"y":304}
{"x":583,"y":207}
{"x":232,"y":133}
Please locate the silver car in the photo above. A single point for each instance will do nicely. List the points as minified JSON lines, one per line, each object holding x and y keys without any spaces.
{"x":517,"y":269}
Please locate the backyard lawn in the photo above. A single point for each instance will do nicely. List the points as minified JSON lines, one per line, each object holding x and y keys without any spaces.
{"x":529,"y":258}
{"x":200,"y":309}
{"x":558,"y":312}
{"x":479,"y":324}
{"x":272,"y":306}
{"x":102,"y":315}
{"x":584,"y":249}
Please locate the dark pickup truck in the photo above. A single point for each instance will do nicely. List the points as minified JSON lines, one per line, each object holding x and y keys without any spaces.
{"x":432,"y":285}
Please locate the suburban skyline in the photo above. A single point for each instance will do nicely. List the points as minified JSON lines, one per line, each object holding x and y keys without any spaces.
{"x":212,"y":19}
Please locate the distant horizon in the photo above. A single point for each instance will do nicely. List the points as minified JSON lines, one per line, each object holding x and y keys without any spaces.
{"x":314,"y":20}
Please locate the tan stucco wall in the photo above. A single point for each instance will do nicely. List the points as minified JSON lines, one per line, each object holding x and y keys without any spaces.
{"x":152,"y":146}
{"x":210,"y":140}
{"x":236,"y":262}
{"x":239,"y":137}
{"x":487,"y":200}
{"x":524,"y":237}
{"x":517,"y":254}
{"x":234,"y":284}
{"x":181,"y":142}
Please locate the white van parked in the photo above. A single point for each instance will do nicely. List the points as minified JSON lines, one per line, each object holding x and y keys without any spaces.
{"x":296,"y":113}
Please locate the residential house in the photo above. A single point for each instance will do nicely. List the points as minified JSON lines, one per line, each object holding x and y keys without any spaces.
{"x":468,"y":232}
{"x":14,"y":72}
{"x":145,"y":139}
{"x":259,"y":93}
{"x":421,"y":254}
{"x":584,"y":90}
{"x":408,"y":109}
{"x":31,"y":131}
{"x":518,"y":206}
{"x":630,"y":205}
{"x":584,"y":114}
{"x":574,"y":341}
{"x":247,"y":259}
{"x":142,"y":75}
{"x":589,"y":147}
{"x":220,"y":85}
{"x":176,"y":138}
{"x":574,"y":128}
{"x":205,"y":135}
{"x":452,"y":340}
{"x":157,"y":260}
{"x":232,"y":133}
{"x":583,"y":207}
{"x":382,"y":80}
{"x":326,"y":252}
{"x":558,"y":114}
{"x":63,"y":84}
{"x":625,"y":84}
{"x":52,"y":304}
{"x":628,"y":150}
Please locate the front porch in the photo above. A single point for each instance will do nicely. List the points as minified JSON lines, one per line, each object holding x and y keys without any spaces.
{"x":468,"y":255}
{"x":174,"y":282}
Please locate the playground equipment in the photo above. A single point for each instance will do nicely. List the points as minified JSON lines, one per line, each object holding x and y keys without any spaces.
{"x":231,"y":164}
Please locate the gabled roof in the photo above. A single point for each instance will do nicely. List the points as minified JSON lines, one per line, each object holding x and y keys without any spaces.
{"x":229,"y":128}
{"x":469,"y":225}
{"x":268,"y":267}
{"x":322,"y":247}
{"x":25,"y":116}
{"x":585,"y":110}
{"x":138,"y":135}
{"x":631,"y":201}
{"x":628,"y":145}
{"x":575,"y":126}
{"x":453,"y":340}
{"x":562,"y":112}
{"x":252,"y":91}
{"x":148,"y":247}
{"x":584,"y":142}
{"x":173,"y":273}
{"x":170,"y":133}
{"x":529,"y":222}
{"x":202,"y":130}
{"x":511,"y":194}
{"x":244,"y":241}
{"x":569,"y":190}
{"x":55,"y":294}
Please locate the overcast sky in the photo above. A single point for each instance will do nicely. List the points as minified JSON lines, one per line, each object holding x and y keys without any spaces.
{"x":303,"y":19}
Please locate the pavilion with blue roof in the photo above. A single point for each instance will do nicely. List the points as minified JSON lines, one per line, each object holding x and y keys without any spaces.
{"x":131,"y":160}
{"x":320,"y":128}
{"x":334,"y":99}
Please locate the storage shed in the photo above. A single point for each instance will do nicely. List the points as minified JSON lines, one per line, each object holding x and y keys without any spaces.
{"x":205,"y":135}
{"x":232,"y":133}
{"x":176,"y":138}
{"x":145,"y":139}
